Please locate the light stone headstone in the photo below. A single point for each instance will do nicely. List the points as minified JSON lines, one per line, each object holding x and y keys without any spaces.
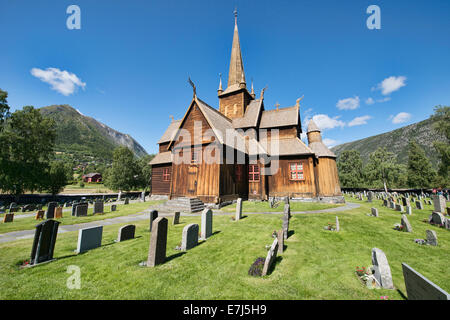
{"x":280,"y":237}
{"x":126,"y":232}
{"x":337,"y":225}
{"x":382,"y":270}
{"x":432,"y":238}
{"x":287,"y":210}
{"x":374,"y":212}
{"x":158,"y":242}
{"x":439,"y":203}
{"x":437,"y":218}
{"x":207,"y":222}
{"x":143,"y":196}
{"x":408,"y":210}
{"x":238,"y":209}
{"x":420,"y":288}
{"x":405,"y":223}
{"x":89,"y":238}
{"x":271,"y":256}
{"x":285,"y":226}
{"x":189,"y":237}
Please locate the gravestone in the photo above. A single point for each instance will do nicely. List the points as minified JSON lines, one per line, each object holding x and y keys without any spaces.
{"x":143,"y":196}
{"x":238,"y":209}
{"x":127,"y":200}
{"x":385,"y":203}
{"x":50,"y":213}
{"x":44,"y":241}
{"x":437,"y":218}
{"x":420,"y":288}
{"x":81,"y":210}
{"x":287,"y":210}
{"x":9,"y":217}
{"x":39,"y":215}
{"x":176,"y":218}
{"x":89,"y":238}
{"x":405,"y":223}
{"x":285,"y":226}
{"x":374,"y":212}
{"x":207,"y":221}
{"x":408,"y":210}
{"x":439,"y":203}
{"x":271,"y":256}
{"x":126,"y":232}
{"x":382,"y":271}
{"x":113,"y":207}
{"x":189,"y":237}
{"x":98,"y":207}
{"x":280,"y":237}
{"x":337,"y":224}
{"x":419,"y":205}
{"x":286,"y":200}
{"x":119,"y":196}
{"x":158,"y":243}
{"x":58,"y":212}
{"x":432,"y":238}
{"x":369,"y":196}
{"x":153,"y":216}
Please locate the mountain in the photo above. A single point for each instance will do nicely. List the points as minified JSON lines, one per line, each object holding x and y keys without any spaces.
{"x":82,"y":136}
{"x":397,"y":141}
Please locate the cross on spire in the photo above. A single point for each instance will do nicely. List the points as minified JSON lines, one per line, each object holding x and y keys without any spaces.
{"x":277,"y":105}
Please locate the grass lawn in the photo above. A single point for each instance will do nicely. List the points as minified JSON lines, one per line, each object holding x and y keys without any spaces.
{"x":263,"y":206}
{"x":316,"y":264}
{"x":122,"y":210}
{"x":88,"y":188}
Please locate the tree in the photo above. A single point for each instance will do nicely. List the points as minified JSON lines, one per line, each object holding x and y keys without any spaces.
{"x":383,"y":169}
{"x":27,"y":147}
{"x":441,"y":125}
{"x":4,"y":108}
{"x":420,"y":171}
{"x":125,"y":171}
{"x":56,"y":177}
{"x":146,"y":170}
{"x":350,"y":168}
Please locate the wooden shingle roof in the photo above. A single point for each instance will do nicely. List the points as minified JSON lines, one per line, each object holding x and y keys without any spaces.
{"x":280,"y":118}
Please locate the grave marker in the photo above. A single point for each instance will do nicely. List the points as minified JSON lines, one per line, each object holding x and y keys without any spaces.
{"x":158,"y":243}
{"x":238,"y":209}
{"x":44,"y":241}
{"x":153,"y":216}
{"x":420,"y":288}
{"x":89,"y":238}
{"x":189,"y":237}
{"x":126,"y":232}
{"x":207,"y":221}
{"x":271,"y":256}
{"x":176,"y":218}
{"x":382,"y":270}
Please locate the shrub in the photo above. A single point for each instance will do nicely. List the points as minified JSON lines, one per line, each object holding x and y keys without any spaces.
{"x":257,"y":267}
{"x":81,"y":184}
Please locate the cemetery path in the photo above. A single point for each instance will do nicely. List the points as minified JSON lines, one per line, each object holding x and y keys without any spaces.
{"x":29,"y":234}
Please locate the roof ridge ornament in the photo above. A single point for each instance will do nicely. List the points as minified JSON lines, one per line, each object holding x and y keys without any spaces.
{"x":193,"y":87}
{"x":220,"y":90}
{"x":262,"y":93}
{"x":297,"y":104}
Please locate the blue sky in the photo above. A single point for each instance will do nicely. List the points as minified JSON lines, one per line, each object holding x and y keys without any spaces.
{"x":128,"y":64}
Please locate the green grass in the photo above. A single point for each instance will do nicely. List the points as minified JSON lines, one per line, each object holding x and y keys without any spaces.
{"x":122,"y":210}
{"x":263,"y":206}
{"x":316,"y":264}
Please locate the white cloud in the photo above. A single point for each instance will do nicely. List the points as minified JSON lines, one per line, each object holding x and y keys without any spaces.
{"x":384,"y":99}
{"x":359,"y":121}
{"x":401,"y":117}
{"x":62,"y":81}
{"x":370,"y":101}
{"x":348,"y":104}
{"x":391,"y":84}
{"x":323,"y":121}
{"x":330,"y":142}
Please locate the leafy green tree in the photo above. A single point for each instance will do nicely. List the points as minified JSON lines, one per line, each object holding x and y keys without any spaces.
{"x":350,"y":168}
{"x":146,"y":170}
{"x":56,"y":177}
{"x":125,"y":173}
{"x":27,"y":147}
{"x":441,"y":125}
{"x":383,"y":169}
{"x":4,"y":108}
{"x":420,"y":172}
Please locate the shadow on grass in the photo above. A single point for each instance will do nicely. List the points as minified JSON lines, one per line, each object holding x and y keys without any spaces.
{"x":402,"y":294}
{"x":290,"y":233}
{"x":215,"y":232}
{"x":276,"y":262}
{"x":174,"y":256}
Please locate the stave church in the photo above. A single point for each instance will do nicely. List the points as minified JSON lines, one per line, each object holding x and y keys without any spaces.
{"x":242,"y":150}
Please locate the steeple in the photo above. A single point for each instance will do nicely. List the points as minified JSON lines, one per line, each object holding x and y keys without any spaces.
{"x":236,"y":74}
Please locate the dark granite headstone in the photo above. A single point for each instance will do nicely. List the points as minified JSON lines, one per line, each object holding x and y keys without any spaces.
{"x":81,"y":210}
{"x":89,"y":238}
{"x":50,"y":213}
{"x":176,"y":218}
{"x":153,"y":216}
{"x":420,"y":288}
{"x":113,"y":207}
{"x":44,"y":241}
{"x":9,"y":217}
{"x":158,"y":243}
{"x":98,"y":207}
{"x":126,"y":232}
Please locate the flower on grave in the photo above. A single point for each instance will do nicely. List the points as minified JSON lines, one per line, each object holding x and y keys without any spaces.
{"x":257,"y":267}
{"x":274,"y":234}
{"x":384,"y":298}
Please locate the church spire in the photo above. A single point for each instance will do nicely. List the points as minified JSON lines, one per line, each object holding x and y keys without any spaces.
{"x":236,"y":74}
